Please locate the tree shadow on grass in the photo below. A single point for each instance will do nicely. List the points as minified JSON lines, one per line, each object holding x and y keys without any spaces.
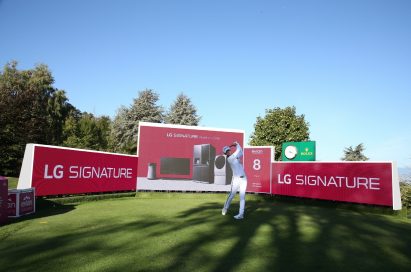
{"x":44,"y":208}
{"x":298,"y":237}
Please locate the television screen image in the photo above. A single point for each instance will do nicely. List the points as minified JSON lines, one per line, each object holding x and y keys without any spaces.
{"x":176,"y":166}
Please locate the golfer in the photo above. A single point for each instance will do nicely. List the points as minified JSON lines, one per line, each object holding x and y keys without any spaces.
{"x":239,"y":181}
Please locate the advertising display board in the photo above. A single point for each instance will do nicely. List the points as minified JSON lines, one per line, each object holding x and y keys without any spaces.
{"x":3,"y":200}
{"x":298,"y":151}
{"x":59,"y":171}
{"x":12,"y":204}
{"x":358,"y":182}
{"x":184,"y":158}
{"x":257,"y":166}
{"x":21,"y":202}
{"x":190,"y":158}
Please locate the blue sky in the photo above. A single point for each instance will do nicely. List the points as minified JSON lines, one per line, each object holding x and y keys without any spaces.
{"x":345,"y":65}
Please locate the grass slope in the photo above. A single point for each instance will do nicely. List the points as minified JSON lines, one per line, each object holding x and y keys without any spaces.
{"x":186,"y":232}
{"x":12,"y":182}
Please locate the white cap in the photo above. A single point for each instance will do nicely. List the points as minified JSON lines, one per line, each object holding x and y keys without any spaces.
{"x":225,"y":149}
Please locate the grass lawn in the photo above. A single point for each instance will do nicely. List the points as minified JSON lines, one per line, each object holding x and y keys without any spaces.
{"x":186,"y":232}
{"x":12,"y":182}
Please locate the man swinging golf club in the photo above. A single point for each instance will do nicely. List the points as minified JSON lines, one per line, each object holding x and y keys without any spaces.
{"x":239,"y":181}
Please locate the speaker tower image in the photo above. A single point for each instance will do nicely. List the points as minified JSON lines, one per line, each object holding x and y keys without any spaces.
{"x":222,"y":171}
{"x":203,"y":163}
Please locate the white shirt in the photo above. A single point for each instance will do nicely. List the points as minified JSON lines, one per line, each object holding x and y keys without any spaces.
{"x":234,"y":161}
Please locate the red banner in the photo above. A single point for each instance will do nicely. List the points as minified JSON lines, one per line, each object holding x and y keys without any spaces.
{"x":3,"y":200}
{"x":360,"y":182}
{"x":26,"y":202}
{"x":184,"y":158}
{"x":12,"y":205}
{"x":257,"y":166}
{"x":73,"y":171}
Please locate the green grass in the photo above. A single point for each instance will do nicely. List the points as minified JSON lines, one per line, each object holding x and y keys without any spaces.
{"x":12,"y":182}
{"x":186,"y":232}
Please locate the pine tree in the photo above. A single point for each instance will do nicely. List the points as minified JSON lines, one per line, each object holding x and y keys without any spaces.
{"x":125,"y":125}
{"x":182,"y":112}
{"x":354,"y":154}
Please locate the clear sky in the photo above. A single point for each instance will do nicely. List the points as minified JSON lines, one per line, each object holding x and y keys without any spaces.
{"x":345,"y":65}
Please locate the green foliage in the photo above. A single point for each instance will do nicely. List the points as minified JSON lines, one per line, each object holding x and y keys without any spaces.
{"x":278,"y":126}
{"x":87,"y":132}
{"x":12,"y":182}
{"x":33,"y":111}
{"x":29,"y":109}
{"x":119,"y":131}
{"x":182,"y":112}
{"x":124,"y":130}
{"x":405,"y":189}
{"x":59,"y":110}
{"x":354,"y":154}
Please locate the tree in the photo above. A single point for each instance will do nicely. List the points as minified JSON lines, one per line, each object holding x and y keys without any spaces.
{"x":104,"y":127}
{"x":278,"y":126}
{"x":24,"y":113}
{"x":182,"y":112}
{"x":118,"y":132}
{"x":125,"y":125}
{"x":87,"y":132}
{"x":59,"y":110}
{"x":354,"y":154}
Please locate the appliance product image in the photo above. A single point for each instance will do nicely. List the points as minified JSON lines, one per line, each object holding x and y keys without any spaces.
{"x":222,"y":171}
{"x":174,"y":166}
{"x":203,"y":163}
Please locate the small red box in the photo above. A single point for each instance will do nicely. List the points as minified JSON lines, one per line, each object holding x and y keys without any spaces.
{"x":21,"y":202}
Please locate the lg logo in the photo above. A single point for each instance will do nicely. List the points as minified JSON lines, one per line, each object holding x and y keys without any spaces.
{"x":56,"y":174}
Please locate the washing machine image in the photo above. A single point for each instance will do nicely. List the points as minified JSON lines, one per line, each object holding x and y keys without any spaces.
{"x":222,"y":171}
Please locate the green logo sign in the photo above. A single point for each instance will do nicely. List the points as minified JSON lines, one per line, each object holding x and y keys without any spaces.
{"x":298,"y":151}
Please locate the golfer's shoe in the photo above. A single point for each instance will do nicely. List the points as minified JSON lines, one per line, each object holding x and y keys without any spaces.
{"x":239,"y":216}
{"x":224,"y":211}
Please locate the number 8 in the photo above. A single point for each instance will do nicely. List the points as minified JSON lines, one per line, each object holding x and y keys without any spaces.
{"x":257,"y":165}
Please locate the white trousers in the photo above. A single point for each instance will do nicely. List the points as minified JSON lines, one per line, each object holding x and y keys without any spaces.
{"x":237,"y":184}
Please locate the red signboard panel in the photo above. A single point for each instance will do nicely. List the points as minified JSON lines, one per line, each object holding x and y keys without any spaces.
{"x":360,"y":182}
{"x":73,"y":171}
{"x":26,"y":202}
{"x":257,"y":166}
{"x":12,"y":204}
{"x":3,"y":200}
{"x":187,"y":158}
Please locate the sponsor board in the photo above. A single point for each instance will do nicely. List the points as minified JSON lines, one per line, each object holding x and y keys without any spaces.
{"x":257,"y":165}
{"x":298,"y":151}
{"x":58,"y":171}
{"x":187,"y":158}
{"x":12,"y":204}
{"x":3,"y":200}
{"x":357,"y":182}
{"x":184,"y":158}
{"x":21,"y":202}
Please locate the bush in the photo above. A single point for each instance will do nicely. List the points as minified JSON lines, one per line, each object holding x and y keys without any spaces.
{"x":405,"y":189}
